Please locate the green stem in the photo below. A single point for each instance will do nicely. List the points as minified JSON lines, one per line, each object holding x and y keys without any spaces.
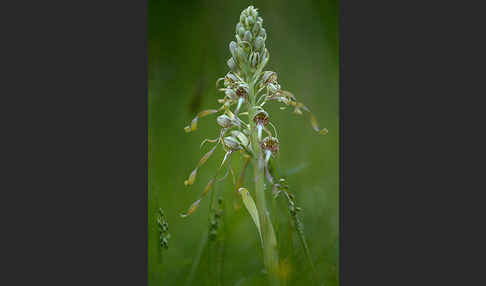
{"x":270,"y":252}
{"x":307,"y":254}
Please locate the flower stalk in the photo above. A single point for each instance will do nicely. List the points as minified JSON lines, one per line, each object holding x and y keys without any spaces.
{"x":270,"y":252}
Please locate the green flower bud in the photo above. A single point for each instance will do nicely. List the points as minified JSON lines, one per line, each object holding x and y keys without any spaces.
{"x":224,"y":121}
{"x":254,"y":59}
{"x":263,"y":33}
{"x":256,"y":28}
{"x":232,"y":65}
{"x":242,"y":53}
{"x":252,"y":11}
{"x":247,"y":10}
{"x":233,"y":48}
{"x":265,"y":55}
{"x":242,"y":17}
{"x":241,"y":32}
{"x":238,"y":26}
{"x":259,"y":43}
{"x":247,"y":37}
{"x":249,"y":21}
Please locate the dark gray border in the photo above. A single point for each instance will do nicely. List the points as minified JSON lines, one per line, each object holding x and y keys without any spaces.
{"x":80,"y":143}
{"x":78,"y":135}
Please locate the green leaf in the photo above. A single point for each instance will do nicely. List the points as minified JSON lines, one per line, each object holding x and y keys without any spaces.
{"x":252,"y":209}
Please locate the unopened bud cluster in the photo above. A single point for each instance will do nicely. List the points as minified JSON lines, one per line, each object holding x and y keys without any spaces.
{"x":249,"y":49}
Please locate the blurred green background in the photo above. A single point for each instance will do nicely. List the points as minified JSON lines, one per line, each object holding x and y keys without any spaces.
{"x":188,"y":49}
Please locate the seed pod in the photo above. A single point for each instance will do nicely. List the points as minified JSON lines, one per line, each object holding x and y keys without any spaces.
{"x":247,"y":36}
{"x":224,"y":121}
{"x":233,"y":48}
{"x":231,"y":143}
{"x":232,"y":65}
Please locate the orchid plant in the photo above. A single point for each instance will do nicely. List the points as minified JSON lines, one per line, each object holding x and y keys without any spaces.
{"x":246,"y":129}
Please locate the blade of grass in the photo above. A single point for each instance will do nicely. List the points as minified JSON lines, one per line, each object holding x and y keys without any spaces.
{"x":197,"y":259}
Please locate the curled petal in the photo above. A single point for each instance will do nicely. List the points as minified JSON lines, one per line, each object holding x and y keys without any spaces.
{"x":297,"y":106}
{"x":195,"y":205}
{"x":297,"y":111}
{"x":208,"y":187}
{"x":191,"y":179}
{"x":225,"y":158}
{"x":313,"y":121}
{"x":288,"y":94}
{"x":206,"y":157}
{"x":191,"y":209}
{"x":217,"y":82}
{"x":208,"y":140}
{"x":193,"y":126}
{"x":225,"y":175}
{"x":192,"y":176}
